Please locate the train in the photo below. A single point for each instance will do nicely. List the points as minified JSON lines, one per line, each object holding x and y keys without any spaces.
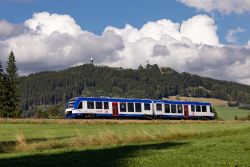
{"x":107,"y":107}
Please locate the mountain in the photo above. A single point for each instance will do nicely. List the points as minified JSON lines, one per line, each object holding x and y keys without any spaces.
{"x":50,"y":88}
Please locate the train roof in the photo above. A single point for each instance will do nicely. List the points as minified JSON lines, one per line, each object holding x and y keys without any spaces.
{"x":109,"y":99}
{"x":181,"y":102}
{"x":134,"y":100}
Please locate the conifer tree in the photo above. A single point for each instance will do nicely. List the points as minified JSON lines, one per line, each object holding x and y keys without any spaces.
{"x":12,"y":106}
{"x":2,"y":89}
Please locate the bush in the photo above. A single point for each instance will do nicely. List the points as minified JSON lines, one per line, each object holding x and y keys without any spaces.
{"x":247,"y":118}
{"x":232,"y":104}
{"x":244,"y":106}
{"x":215,"y":114}
{"x":50,"y":111}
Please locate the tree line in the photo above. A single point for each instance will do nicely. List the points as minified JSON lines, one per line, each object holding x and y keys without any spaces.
{"x":9,"y":101}
{"x":50,"y":88}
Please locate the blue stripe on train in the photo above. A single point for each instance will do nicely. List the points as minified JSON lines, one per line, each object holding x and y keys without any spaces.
{"x":182,"y":116}
{"x":131,"y":115}
{"x":74,"y":115}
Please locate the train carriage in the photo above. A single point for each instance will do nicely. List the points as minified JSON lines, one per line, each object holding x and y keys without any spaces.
{"x":183,"y":109}
{"x":85,"y":107}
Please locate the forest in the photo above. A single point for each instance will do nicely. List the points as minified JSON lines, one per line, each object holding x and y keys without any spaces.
{"x":56,"y":87}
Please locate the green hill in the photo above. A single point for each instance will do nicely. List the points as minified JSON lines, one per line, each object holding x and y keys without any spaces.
{"x":49,"y":88}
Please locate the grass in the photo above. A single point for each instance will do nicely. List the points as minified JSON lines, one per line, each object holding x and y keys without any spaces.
{"x":224,"y":112}
{"x":228,"y":113}
{"x":124,"y":143}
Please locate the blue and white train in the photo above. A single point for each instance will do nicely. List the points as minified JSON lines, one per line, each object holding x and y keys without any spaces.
{"x":94,"y":107}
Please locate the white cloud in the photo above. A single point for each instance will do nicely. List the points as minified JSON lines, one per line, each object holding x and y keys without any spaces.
{"x":222,"y":6}
{"x":142,"y":42}
{"x":231,"y":34}
{"x":45,"y":23}
{"x":6,"y":28}
{"x":53,"y":41}
{"x":201,"y":29}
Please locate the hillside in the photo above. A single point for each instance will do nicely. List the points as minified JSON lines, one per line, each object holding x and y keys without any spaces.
{"x":213,"y":101}
{"x":150,"y":82}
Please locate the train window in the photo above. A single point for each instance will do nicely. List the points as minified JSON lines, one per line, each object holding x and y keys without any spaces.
{"x":137,"y":107}
{"x":192,"y":108}
{"x":159,"y":107}
{"x":204,"y":108}
{"x":71,"y":104}
{"x":147,"y":106}
{"x":123,"y":107}
{"x":130,"y":107}
{"x":106,"y":105}
{"x":198,"y":108}
{"x":90,"y":105}
{"x":167,"y":108}
{"x":179,"y":107}
{"x":98,"y":105}
{"x":173,"y":108}
{"x":79,"y":105}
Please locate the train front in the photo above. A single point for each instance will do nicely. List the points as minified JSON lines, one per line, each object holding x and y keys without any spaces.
{"x":69,"y":108}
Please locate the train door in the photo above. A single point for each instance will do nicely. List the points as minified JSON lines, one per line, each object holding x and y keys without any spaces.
{"x":185,"y":111}
{"x":114,"y":109}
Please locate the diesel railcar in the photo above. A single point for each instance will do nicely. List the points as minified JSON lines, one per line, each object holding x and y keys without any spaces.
{"x":94,"y":107}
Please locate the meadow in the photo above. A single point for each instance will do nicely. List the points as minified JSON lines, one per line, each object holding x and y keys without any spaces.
{"x":60,"y":142}
{"x":124,"y":143}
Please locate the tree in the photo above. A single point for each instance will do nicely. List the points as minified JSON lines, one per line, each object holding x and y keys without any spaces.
{"x":12,"y":100}
{"x":2,"y":89}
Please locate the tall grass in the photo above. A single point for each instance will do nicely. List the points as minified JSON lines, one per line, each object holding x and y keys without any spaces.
{"x":21,"y":143}
{"x":102,"y":121}
{"x":107,"y":137}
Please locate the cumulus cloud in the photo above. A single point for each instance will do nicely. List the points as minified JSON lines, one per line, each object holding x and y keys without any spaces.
{"x":222,"y":6}
{"x":7,"y":29}
{"x":45,"y":23}
{"x":53,"y":41}
{"x":160,"y":50}
{"x":201,"y":29}
{"x":231,"y":35}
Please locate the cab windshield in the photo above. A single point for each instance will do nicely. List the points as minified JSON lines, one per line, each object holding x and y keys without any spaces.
{"x":70,"y":104}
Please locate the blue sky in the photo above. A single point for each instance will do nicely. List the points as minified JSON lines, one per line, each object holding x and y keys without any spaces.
{"x":95,"y":15}
{"x":208,"y":38}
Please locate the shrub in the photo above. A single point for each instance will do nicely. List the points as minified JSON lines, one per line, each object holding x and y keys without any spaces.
{"x":247,"y":118}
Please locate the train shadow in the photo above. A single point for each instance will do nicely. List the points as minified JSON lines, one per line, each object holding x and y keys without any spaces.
{"x":105,"y":157}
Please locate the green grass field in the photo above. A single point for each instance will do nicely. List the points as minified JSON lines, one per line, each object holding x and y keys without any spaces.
{"x":229,"y":113}
{"x":124,"y":143}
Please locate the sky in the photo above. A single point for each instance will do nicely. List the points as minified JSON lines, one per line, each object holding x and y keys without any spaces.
{"x":204,"y":37}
